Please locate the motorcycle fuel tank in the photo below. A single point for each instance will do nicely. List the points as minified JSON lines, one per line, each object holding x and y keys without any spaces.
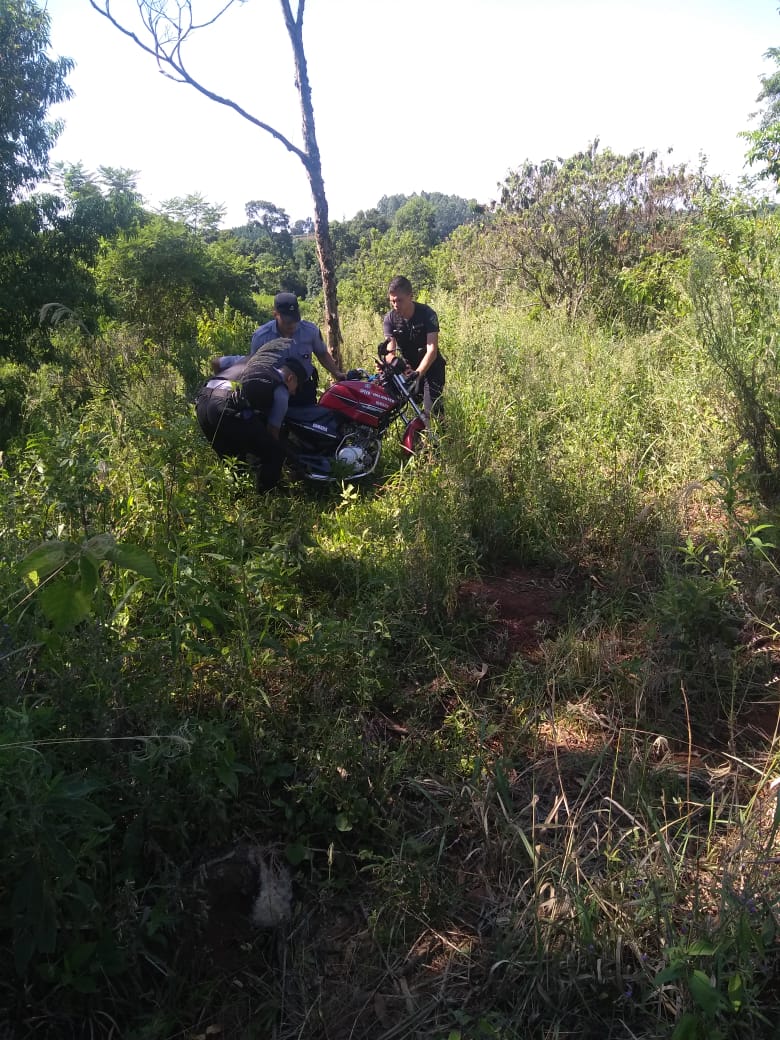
{"x":359,"y":401}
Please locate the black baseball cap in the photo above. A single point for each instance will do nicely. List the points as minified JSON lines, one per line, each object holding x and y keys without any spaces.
{"x":286,"y":304}
{"x":295,"y":367}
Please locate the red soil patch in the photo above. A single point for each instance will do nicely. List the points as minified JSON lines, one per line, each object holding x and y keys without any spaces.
{"x":525,"y":605}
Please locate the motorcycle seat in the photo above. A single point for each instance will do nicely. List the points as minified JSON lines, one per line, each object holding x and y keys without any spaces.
{"x":308,"y":413}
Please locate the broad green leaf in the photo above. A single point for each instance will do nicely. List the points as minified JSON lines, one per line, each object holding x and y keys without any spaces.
{"x":670,"y":973}
{"x":296,"y":853}
{"x":761,"y":527}
{"x":343,"y":822}
{"x":133,"y":559}
{"x":704,"y":993}
{"x":79,"y":954}
{"x":89,"y":574}
{"x":701,"y":948}
{"x":687,"y":1028}
{"x":228,"y":778}
{"x":45,"y":559}
{"x":736,"y":991}
{"x":60,"y":854}
{"x":64,"y":604}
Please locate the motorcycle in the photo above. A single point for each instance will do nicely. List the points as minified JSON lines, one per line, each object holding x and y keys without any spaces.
{"x":340,"y":437}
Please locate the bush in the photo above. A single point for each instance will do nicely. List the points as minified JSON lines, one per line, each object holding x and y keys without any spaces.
{"x":735,"y":288}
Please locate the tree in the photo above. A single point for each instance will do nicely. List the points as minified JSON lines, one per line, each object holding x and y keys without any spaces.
{"x":103,"y":203}
{"x":735,"y":286}
{"x":418,"y":216}
{"x":302,"y":227}
{"x":30,"y":82}
{"x":273,"y":218}
{"x":43,"y":258}
{"x":381,"y":258}
{"x":765,"y":141}
{"x":49,"y":244}
{"x":449,"y":211}
{"x":168,"y":26}
{"x":567,"y":229}
{"x":350,"y":236}
{"x":267,"y":239}
{"x":162,"y":275}
{"x":196,"y":212}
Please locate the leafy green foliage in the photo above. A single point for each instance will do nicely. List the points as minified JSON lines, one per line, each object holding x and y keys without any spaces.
{"x":196,"y":212}
{"x":162,"y":276}
{"x":379,"y":260}
{"x":764,"y":142}
{"x":575,"y":234}
{"x":441,"y":214}
{"x":305,"y":669}
{"x":101,"y":203}
{"x":41,"y":261}
{"x":488,"y":804}
{"x":734,"y":285}
{"x":67,"y":576}
{"x":267,"y":240}
{"x":30,"y":83}
{"x":225,"y":331}
{"x":48,"y":248}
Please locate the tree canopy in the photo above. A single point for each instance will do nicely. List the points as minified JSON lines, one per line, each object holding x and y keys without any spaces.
{"x":764,"y":150}
{"x":567,"y":231}
{"x":30,"y":83}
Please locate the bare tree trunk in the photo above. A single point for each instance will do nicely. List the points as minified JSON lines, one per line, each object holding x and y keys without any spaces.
{"x":170,"y":23}
{"x":313,"y":165}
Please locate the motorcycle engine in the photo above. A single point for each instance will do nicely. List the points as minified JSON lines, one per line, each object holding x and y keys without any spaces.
{"x":352,"y":455}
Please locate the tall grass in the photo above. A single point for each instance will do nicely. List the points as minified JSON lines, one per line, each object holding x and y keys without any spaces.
{"x":575,"y":839}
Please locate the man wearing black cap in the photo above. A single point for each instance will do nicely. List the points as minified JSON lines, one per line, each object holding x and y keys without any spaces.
{"x":306,"y":342}
{"x":241,"y":411}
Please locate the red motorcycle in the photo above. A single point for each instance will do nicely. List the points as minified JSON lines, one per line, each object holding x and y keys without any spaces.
{"x":340,"y":437}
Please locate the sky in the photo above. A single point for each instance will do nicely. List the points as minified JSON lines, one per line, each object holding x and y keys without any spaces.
{"x":412,"y":95}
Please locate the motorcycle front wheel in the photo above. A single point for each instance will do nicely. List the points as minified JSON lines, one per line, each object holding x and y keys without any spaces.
{"x":413,"y":436}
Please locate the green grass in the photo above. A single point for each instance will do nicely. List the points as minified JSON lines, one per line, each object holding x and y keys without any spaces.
{"x":575,"y":839}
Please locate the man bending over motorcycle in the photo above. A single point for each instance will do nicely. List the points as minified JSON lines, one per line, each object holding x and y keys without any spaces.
{"x":306,"y":343}
{"x":245,"y":422}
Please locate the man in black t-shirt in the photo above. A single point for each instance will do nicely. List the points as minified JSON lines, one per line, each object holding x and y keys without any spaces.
{"x":412,"y":330}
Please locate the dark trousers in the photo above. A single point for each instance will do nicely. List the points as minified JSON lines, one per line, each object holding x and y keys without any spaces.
{"x":306,"y":393}
{"x":240,"y":435}
{"x":432,"y":387}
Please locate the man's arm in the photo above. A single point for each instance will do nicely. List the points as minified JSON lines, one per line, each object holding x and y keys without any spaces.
{"x":431,"y":340}
{"x":391,"y":345}
{"x":327,"y":362}
{"x":260,"y":337}
{"x":324,"y":356}
{"x":224,"y":361}
{"x":278,"y":410}
{"x":431,"y":353}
